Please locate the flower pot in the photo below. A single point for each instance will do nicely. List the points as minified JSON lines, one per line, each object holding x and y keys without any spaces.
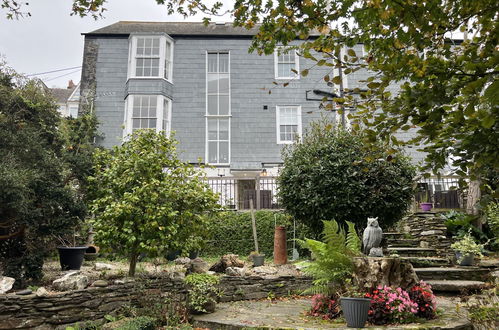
{"x":464,"y":260}
{"x":193,"y":254}
{"x":355,"y":311}
{"x":71,"y":257}
{"x":258,"y":260}
{"x":172,"y":255}
{"x":426,"y":207}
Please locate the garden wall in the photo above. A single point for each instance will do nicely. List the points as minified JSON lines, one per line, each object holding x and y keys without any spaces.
{"x":430,"y":229}
{"x":59,"y":309}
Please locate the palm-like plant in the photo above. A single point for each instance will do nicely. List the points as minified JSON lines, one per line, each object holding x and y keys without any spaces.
{"x":332,"y":262}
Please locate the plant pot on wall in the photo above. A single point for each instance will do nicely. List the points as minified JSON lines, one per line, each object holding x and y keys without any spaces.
{"x":71,"y":257}
{"x":465,"y":260}
{"x":355,"y":311}
{"x":426,"y":207}
{"x":258,"y":260}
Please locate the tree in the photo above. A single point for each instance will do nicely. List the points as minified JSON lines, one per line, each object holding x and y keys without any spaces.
{"x":146,"y":200}
{"x":35,"y":200}
{"x":332,"y":174}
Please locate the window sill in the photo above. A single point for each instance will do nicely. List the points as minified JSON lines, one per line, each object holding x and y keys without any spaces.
{"x":150,"y":78}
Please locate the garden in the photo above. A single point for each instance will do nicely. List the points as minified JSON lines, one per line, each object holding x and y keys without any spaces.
{"x":133,"y":238}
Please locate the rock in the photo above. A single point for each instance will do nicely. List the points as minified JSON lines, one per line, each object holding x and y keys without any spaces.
{"x":373,"y":272}
{"x":24,"y":292}
{"x":495,"y":277}
{"x":228,"y":260}
{"x":431,"y":232}
{"x":424,"y":244}
{"x":41,"y":292}
{"x":235,"y":271}
{"x":124,"y":280}
{"x":6,"y":284}
{"x":176,"y":275}
{"x":376,"y":252}
{"x":265,"y":270}
{"x":100,"y":283}
{"x":103,"y":266}
{"x":71,"y":281}
{"x":197,"y":265}
{"x":182,"y":261}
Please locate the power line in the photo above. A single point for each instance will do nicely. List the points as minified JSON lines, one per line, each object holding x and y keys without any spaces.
{"x":62,"y":75}
{"x":41,"y":73}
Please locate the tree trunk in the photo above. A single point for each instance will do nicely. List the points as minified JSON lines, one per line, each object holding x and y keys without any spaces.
{"x":133,"y":258}
{"x":473,"y":199}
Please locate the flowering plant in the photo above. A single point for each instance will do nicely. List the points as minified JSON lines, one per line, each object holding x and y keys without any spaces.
{"x":327,"y":307}
{"x":423,"y":296}
{"x":391,"y":306}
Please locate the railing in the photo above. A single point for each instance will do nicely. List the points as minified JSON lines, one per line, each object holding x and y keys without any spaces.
{"x":444,"y":192}
{"x":238,"y":193}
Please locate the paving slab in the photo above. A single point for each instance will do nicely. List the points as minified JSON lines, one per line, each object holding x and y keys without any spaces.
{"x":455,"y":285}
{"x":452,"y":273}
{"x":291,"y":314}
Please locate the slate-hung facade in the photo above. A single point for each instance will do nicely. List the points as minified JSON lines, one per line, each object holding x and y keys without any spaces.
{"x":201,"y":82}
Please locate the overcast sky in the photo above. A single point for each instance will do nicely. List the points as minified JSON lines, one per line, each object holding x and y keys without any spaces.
{"x":51,"y":39}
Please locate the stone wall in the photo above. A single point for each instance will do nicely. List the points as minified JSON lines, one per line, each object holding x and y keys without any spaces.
{"x":430,"y":229}
{"x":91,"y":304}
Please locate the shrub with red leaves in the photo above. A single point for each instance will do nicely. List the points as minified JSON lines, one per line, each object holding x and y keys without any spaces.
{"x":326,"y":307}
{"x":423,"y":296}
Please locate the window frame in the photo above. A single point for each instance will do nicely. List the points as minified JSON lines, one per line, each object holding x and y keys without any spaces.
{"x":208,"y":116}
{"x":132,"y":56}
{"x":160,"y":112}
{"x":276,"y":64}
{"x":278,"y":123}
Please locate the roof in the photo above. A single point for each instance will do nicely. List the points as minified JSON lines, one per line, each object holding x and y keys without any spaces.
{"x":61,"y":94}
{"x":175,"y":29}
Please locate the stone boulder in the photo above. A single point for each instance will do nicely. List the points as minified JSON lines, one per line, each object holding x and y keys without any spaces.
{"x":103,"y":266}
{"x":41,"y":292}
{"x":373,"y":272}
{"x":6,"y":284}
{"x":198,"y":266}
{"x":71,"y":281}
{"x":182,"y":261}
{"x":226,"y":261}
{"x":235,"y":271}
{"x":265,"y":270}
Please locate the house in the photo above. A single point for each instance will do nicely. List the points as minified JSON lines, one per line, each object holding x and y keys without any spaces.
{"x":68,"y":99}
{"x":200,"y":82}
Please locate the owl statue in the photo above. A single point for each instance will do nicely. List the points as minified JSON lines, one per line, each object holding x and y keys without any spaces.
{"x":372,"y":235}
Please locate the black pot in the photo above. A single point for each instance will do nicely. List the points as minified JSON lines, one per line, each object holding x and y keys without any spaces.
{"x":193,"y":254}
{"x":172,"y":255}
{"x":356,"y":311}
{"x":71,"y":257}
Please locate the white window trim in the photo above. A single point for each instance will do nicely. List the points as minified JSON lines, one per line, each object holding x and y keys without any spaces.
{"x":132,"y":64}
{"x":207,"y":116}
{"x":276,"y":65}
{"x":278,"y":123}
{"x":127,"y":130}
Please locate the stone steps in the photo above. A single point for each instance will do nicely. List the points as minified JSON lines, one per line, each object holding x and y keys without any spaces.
{"x":455,"y":286}
{"x":452,"y":273}
{"x":393,"y":235}
{"x":403,"y":242}
{"x":412,"y":251}
{"x":427,"y":261}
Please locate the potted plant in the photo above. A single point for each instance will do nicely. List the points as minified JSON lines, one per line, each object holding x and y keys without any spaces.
{"x":257,"y":258}
{"x":203,"y":292}
{"x":466,"y":249}
{"x":425,"y":203}
{"x":355,"y":306}
{"x":70,"y":254}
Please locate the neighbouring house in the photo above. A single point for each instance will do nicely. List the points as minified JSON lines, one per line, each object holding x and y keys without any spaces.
{"x":221,"y":101}
{"x":68,"y":99}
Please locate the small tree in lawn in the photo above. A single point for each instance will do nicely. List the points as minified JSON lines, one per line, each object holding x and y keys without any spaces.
{"x":145,"y":199}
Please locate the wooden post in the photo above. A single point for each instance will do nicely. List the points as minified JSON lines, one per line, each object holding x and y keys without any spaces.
{"x":253,"y":223}
{"x":258,"y":194}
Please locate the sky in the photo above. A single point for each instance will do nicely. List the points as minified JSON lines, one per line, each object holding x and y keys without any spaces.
{"x":51,"y":39}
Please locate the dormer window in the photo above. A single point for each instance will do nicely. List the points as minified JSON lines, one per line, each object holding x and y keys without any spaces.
{"x":150,"y":56}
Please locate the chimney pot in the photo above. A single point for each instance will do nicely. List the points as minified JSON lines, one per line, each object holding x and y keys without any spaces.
{"x":71,"y":84}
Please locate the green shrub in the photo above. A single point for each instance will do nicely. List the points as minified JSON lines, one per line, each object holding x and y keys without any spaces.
{"x":459,"y":224}
{"x":492,"y":216}
{"x":139,"y":323}
{"x":231,"y":232}
{"x":334,"y":174}
{"x":203,"y":292}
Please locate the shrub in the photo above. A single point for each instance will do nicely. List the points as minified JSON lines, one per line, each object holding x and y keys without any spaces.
{"x":483,"y":311}
{"x":492,"y":216}
{"x":334,"y":174}
{"x":139,"y":323}
{"x":424,"y":298}
{"x":203,"y":292}
{"x":325,"y":306}
{"x":391,"y":306}
{"x":231,"y":232}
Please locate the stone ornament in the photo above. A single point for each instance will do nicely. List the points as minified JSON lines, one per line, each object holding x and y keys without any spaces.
{"x":372,"y":238}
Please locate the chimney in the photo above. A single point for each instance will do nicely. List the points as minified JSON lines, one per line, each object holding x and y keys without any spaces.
{"x":71,"y":84}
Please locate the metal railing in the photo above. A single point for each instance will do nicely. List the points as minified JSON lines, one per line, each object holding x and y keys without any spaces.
{"x":444,"y":192}
{"x":238,"y":193}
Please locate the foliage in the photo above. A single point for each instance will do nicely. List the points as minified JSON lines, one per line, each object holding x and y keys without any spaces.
{"x":391,"y":306}
{"x":332,"y":174}
{"x":139,"y":323}
{"x":325,"y":306}
{"x":424,"y":298}
{"x":231,"y":232}
{"x":492,"y":220}
{"x":459,"y":223}
{"x":467,"y":246}
{"x":146,"y":200}
{"x":36,"y":200}
{"x":483,"y":310}
{"x":332,"y":263}
{"x":202,"y":291}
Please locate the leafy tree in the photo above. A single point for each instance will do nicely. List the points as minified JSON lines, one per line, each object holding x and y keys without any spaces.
{"x":332,"y":174}
{"x":146,"y":200}
{"x":35,"y":201}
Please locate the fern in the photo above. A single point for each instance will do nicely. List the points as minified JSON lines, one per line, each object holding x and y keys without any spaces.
{"x":332,"y":259}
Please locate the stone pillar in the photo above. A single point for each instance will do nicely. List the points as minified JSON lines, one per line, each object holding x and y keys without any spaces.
{"x":280,"y":251}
